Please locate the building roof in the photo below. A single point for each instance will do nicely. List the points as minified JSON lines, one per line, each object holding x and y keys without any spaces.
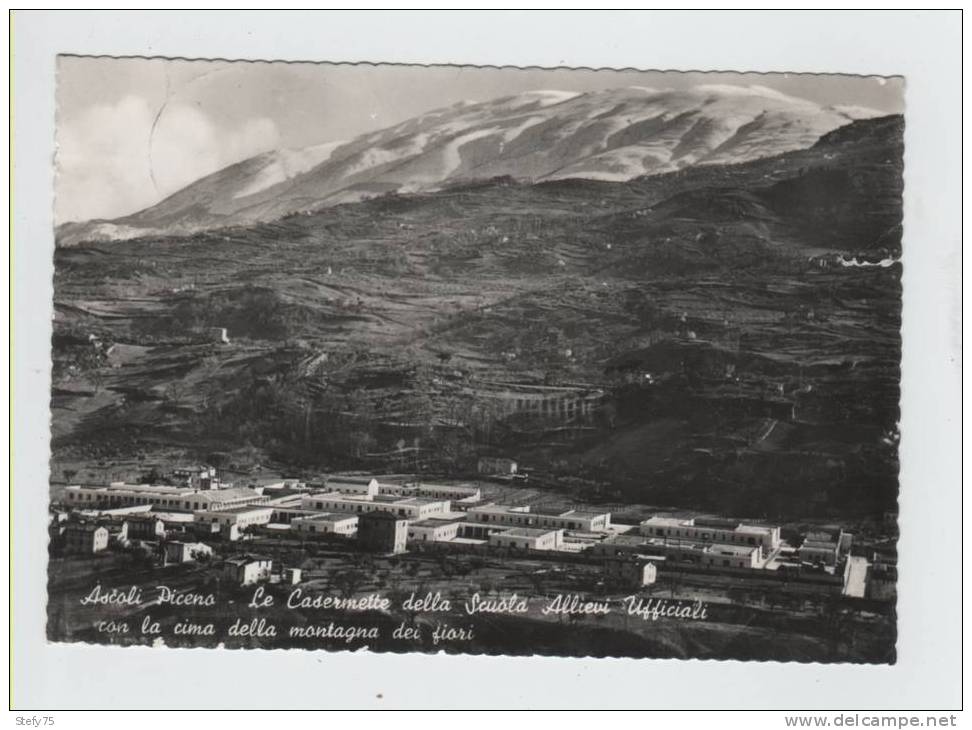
{"x":284,"y":499}
{"x":676,"y":542}
{"x":507,"y":509}
{"x":660,"y":521}
{"x":239,"y":509}
{"x":334,"y":494}
{"x":624,"y":539}
{"x":142,"y":517}
{"x":223,"y":495}
{"x":157,"y":488}
{"x":722,"y":523}
{"x":328,"y":517}
{"x":714,"y":523}
{"x":126,"y":511}
{"x":381,"y":516}
{"x":433,"y":485}
{"x":526,"y":532}
{"x":174,"y":516}
{"x":398,"y":487}
{"x":700,"y":546}
{"x":336,"y":482}
{"x":552,"y":511}
{"x":395,"y":499}
{"x":435,"y":522}
{"x":754,"y":529}
{"x":719,"y":549}
{"x":389,"y":499}
{"x":293,"y":509}
{"x":586,"y":514}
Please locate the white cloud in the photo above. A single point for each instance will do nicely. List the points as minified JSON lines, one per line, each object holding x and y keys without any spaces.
{"x":111,"y":163}
{"x":101,"y":163}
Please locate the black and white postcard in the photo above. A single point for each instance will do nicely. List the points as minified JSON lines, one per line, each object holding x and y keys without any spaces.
{"x":579,"y":363}
{"x":449,"y":361}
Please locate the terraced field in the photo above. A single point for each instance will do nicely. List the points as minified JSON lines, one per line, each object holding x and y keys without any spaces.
{"x":745,"y":368}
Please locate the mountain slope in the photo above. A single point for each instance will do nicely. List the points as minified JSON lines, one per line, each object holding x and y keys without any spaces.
{"x":612,"y":135}
{"x":744,"y":368}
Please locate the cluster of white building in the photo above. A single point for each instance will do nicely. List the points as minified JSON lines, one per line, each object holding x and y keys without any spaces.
{"x":554,"y":519}
{"x":412,"y":508}
{"x":723,"y":543}
{"x":756,"y":541}
{"x":710,"y":542}
{"x":180,"y":523}
{"x":423,"y":512}
{"x":402,"y":513}
{"x":184,"y":499}
{"x":433,"y":513}
{"x":326,"y":523}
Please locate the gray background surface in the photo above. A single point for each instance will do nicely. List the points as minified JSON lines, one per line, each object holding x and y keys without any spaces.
{"x":922,"y":46}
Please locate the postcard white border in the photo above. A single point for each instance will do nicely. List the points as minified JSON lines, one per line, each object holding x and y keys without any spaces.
{"x":923,"y":46}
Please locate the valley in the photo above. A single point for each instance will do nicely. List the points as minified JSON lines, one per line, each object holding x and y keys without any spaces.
{"x":733,"y":360}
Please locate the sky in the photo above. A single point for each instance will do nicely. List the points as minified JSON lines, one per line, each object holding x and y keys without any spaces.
{"x":132,"y":131}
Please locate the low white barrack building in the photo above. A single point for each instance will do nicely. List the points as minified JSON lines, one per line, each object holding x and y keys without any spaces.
{"x":327,"y":523}
{"x":159,"y":497}
{"x":677,"y":550}
{"x":527,"y":538}
{"x":554,"y":519}
{"x":452,"y":492}
{"x":243,"y":517}
{"x":352,"y":484}
{"x":434,"y":530}
{"x":412,"y":508}
{"x":713,"y":530}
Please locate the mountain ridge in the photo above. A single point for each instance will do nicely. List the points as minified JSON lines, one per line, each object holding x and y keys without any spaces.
{"x":537,"y":136}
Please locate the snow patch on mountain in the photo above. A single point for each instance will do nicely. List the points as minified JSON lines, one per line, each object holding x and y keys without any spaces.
{"x":286,"y":164}
{"x":613,"y":134}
